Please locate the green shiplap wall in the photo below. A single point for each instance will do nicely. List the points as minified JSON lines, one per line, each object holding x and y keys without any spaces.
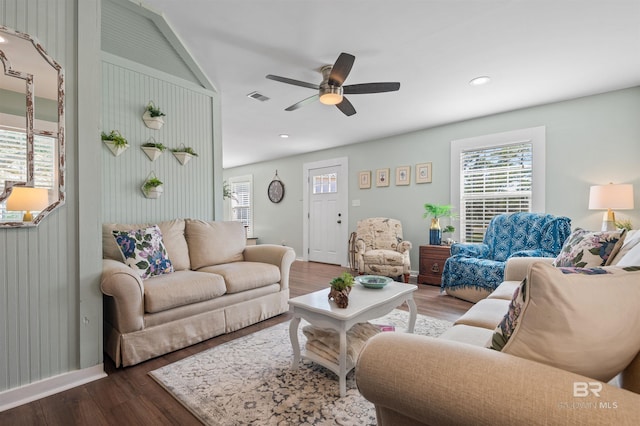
{"x":39,"y":279}
{"x":188,"y":190}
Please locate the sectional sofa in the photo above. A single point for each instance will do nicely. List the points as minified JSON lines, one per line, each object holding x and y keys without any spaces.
{"x":552,"y":344}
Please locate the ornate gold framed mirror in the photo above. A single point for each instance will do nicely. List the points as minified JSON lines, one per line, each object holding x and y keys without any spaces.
{"x":32,"y":154}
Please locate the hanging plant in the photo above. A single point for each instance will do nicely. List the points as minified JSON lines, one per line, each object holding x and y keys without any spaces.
{"x":152,"y":187}
{"x":153,"y":149}
{"x":184,"y":154}
{"x":116,"y":143}
{"x":152,"y":116}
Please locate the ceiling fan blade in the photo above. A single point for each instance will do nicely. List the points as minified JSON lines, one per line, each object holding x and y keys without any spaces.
{"x":341,"y":69}
{"x":358,"y":89}
{"x":346,"y":107}
{"x":303,"y":103}
{"x":292,"y":81}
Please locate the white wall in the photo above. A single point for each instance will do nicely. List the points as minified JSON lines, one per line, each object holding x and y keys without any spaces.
{"x":591,"y":140}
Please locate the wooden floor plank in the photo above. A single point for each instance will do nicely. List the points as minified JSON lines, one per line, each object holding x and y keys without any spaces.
{"x":130,"y":396}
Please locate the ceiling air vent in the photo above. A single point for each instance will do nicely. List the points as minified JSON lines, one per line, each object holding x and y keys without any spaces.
{"x":258,"y":96}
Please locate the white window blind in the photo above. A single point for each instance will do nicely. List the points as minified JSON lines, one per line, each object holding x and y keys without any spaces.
{"x":241,"y":202}
{"x":13,"y":163}
{"x":494,"y":180}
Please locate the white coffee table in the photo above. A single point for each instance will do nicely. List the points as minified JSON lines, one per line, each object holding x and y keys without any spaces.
{"x":364,"y":304}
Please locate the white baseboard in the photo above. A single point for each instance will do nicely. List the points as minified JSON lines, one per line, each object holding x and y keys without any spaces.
{"x":24,"y":394}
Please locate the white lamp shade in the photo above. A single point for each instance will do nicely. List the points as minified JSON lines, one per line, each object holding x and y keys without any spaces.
{"x":615,"y":197}
{"x":27,"y":199}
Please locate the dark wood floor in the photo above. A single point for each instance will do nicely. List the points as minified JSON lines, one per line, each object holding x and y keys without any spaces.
{"x":128,"y":396}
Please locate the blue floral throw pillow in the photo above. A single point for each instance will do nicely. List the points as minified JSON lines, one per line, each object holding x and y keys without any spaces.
{"x":143,"y":250}
{"x":585,"y":249}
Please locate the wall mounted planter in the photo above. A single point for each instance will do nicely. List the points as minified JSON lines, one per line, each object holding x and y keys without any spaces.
{"x":116,"y":149}
{"x":154,"y":123}
{"x":153,"y":149}
{"x":152,"y":187}
{"x":152,"y":116}
{"x":184,"y":154}
{"x":183,"y":157}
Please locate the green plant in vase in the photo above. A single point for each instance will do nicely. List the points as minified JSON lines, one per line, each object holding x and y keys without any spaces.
{"x":340,"y":289}
{"x":435,"y":212}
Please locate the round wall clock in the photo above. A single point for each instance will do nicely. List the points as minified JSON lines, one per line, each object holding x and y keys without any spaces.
{"x":276,"y":190}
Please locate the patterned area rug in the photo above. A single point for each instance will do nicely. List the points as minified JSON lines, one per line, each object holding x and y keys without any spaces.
{"x":249,"y":381}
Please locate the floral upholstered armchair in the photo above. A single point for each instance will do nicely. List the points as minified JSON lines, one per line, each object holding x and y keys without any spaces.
{"x":474,"y":270}
{"x":380,"y":249}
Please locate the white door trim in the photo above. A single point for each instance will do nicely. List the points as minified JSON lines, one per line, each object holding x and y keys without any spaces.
{"x":343,"y":181}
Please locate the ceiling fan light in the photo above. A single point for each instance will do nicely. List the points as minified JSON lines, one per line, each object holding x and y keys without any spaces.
{"x":331,"y":98}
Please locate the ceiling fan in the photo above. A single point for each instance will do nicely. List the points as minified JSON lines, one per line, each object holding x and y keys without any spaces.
{"x":331,"y":91}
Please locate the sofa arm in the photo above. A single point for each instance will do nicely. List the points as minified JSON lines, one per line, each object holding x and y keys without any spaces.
{"x":124,"y":308}
{"x":517,"y":267}
{"x":280,"y":256}
{"x":424,"y":380}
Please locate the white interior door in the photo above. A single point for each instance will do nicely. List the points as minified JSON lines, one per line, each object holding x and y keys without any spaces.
{"x":325,"y":211}
{"x":325,"y":216}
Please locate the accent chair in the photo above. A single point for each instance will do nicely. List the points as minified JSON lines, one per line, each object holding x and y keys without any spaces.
{"x":474,"y":270}
{"x":380,"y":248}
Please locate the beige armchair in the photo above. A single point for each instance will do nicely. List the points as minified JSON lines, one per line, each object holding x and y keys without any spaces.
{"x":380,"y":248}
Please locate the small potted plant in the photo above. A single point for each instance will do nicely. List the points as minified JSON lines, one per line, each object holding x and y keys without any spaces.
{"x":340,"y":289}
{"x":152,"y":116}
{"x":184,"y":154}
{"x":153,"y":188}
{"x":435,"y":212}
{"x":153,"y":149}
{"x":116,"y":143}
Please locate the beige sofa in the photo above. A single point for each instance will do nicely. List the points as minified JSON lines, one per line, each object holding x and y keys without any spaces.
{"x":541,"y":377}
{"x":219,"y":285}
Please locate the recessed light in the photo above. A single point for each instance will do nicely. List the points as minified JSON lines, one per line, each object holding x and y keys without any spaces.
{"x":284,"y":135}
{"x":479,"y":81}
{"x":3,"y":40}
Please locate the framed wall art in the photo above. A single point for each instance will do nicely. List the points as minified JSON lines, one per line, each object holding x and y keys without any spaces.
{"x":382,"y":177}
{"x":423,"y":173}
{"x":364,"y":179}
{"x":403,"y":175}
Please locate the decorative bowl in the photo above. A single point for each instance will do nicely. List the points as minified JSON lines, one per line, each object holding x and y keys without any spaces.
{"x":373,"y":281}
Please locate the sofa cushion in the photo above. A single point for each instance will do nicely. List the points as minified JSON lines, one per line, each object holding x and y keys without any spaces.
{"x":383,"y":257}
{"x":582,"y":320}
{"x":143,"y":251}
{"x":476,"y":336}
{"x":587,"y":249}
{"x":487,"y":313}
{"x":172,"y":238}
{"x":505,"y":290}
{"x":181,"y":288}
{"x":214,"y":243}
{"x":242,"y":276}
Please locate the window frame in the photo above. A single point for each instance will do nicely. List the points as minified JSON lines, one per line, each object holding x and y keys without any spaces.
{"x":246,"y":179}
{"x":534,"y":135}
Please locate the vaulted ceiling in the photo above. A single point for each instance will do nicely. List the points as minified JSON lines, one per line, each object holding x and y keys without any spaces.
{"x":534,"y":51}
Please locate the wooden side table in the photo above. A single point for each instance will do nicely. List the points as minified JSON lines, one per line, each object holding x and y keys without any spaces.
{"x":432,"y":260}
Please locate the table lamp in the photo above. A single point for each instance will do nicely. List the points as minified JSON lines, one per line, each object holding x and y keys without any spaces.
{"x":609,"y":197}
{"x":27,"y":199}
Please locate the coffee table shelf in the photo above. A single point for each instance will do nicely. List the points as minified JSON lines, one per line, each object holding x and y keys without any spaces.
{"x":364,"y":304}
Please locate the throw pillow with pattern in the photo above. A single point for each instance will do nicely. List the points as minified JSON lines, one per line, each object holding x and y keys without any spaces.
{"x":586,"y":249}
{"x":143,"y":251}
{"x":504,"y":330}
